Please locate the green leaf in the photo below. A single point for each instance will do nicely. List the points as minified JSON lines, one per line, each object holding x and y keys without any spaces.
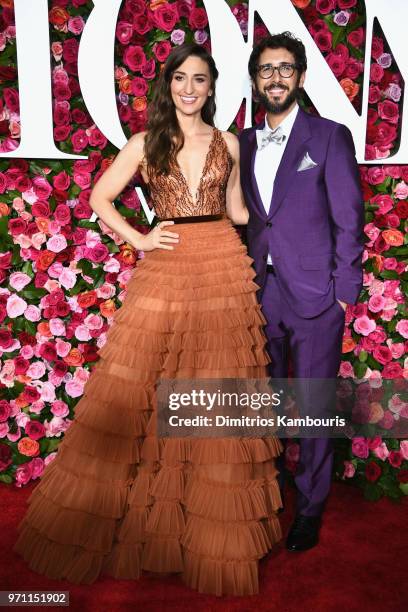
{"x":339,"y":36}
{"x":6,"y":478}
{"x":4,"y":226}
{"x":389,"y":274}
{"x":86,"y":266}
{"x":33,"y":293}
{"x":359,"y":369}
{"x":372,"y":492}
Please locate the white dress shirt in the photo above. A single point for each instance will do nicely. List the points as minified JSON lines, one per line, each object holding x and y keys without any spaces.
{"x":267,"y":161}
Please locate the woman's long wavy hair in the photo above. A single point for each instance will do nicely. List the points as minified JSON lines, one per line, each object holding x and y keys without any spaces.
{"x":164,"y":137}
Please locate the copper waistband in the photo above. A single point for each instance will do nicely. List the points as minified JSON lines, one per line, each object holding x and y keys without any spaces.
{"x":197,"y":219}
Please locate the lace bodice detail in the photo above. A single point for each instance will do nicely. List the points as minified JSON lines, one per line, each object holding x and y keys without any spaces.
{"x":171,"y":196}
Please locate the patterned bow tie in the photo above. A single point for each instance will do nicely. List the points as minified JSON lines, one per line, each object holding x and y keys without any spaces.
{"x":264,"y":137}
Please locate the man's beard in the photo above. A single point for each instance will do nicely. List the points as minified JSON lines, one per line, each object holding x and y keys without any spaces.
{"x":276,"y":108}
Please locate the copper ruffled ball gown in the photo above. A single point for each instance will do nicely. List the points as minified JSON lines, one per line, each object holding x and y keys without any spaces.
{"x":117,"y":499}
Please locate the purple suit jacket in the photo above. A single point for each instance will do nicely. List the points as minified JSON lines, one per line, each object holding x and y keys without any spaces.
{"x":314,"y":228}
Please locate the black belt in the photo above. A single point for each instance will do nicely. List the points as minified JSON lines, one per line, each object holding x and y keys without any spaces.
{"x":271,"y":269}
{"x":196,"y":219}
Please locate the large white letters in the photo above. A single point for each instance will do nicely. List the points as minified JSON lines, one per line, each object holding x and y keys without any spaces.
{"x":231,"y":53}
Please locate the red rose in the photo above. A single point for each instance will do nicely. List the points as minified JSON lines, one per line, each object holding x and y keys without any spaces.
{"x":86,"y":300}
{"x":377,"y":47}
{"x":386,"y":134}
{"x":346,"y":4}
{"x":402,"y":476}
{"x":382,"y":354}
{"x":6,"y":338}
{"x":17,"y":226}
{"x":60,"y":368}
{"x":376,"y":73}
{"x":166,"y":17}
{"x":395,"y":458}
{"x":134,"y":57}
{"x":354,"y":68}
{"x":35,"y":430}
{"x":317,"y":26}
{"x":376,"y":175}
{"x":323,"y":40}
{"x":392,"y":370}
{"x":21,"y":365}
{"x":161,"y":51}
{"x":401,"y":209}
{"x":82,"y":211}
{"x":336,"y":63}
{"x":41,"y":209}
{"x":62,"y":214}
{"x":31,"y":394}
{"x":99,"y":253}
{"x":184,"y":7}
{"x":325,"y":6}
{"x":62,"y":309}
{"x":372,"y":471}
{"x":142,"y":24}
{"x":149,"y":70}
{"x":136,"y":7}
{"x":389,"y":110}
{"x":356,"y":37}
{"x":5,"y":410}
{"x":47,"y":350}
{"x":198,"y":19}
{"x":5,"y":457}
{"x":11,"y":99}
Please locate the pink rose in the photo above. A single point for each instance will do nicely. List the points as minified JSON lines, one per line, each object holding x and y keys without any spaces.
{"x":74,"y":389}
{"x":346,"y":369}
{"x":349,"y":469}
{"x":376,"y":303}
{"x":18,"y":280}
{"x":57,"y":243}
{"x":402,"y":327}
{"x":23,"y":474}
{"x":376,"y":175}
{"x":59,"y":408}
{"x":364,"y":326}
{"x":76,"y":24}
{"x":37,"y":467}
{"x":374,"y":94}
{"x":381,"y":451}
{"x":15,"y":306}
{"x":401,"y":191}
{"x":384,"y":202}
{"x":404,"y":449}
{"x":149,"y":70}
{"x":359,"y":448}
{"x":67,"y":278}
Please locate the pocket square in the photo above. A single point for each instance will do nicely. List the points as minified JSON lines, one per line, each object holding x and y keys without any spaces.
{"x":307,"y":163}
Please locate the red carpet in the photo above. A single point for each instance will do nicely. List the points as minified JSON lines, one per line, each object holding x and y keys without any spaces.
{"x":359,"y":565}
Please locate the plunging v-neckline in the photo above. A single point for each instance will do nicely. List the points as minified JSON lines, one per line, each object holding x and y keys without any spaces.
{"x":195,"y":199}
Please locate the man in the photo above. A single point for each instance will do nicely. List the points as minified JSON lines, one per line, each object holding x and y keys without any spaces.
{"x":305,"y":233}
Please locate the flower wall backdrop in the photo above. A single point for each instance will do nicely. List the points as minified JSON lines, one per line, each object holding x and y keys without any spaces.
{"x":63,"y":276}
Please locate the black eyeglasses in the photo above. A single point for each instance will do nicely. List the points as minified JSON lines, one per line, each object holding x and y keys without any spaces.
{"x":285,"y":70}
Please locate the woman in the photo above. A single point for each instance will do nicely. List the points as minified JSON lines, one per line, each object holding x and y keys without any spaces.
{"x":117,"y":499}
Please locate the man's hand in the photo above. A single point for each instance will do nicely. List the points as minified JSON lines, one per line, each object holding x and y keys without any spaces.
{"x":342,"y":304}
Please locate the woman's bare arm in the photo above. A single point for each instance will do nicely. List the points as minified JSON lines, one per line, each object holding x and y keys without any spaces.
{"x":236,"y":207}
{"x":111,"y":184}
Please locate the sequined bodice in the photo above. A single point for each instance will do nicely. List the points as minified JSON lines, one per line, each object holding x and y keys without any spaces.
{"x":171,"y":196}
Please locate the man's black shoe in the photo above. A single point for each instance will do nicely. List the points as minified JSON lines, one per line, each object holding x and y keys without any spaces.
{"x":304,"y":533}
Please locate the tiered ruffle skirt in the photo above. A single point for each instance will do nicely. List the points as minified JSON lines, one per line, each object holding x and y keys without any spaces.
{"x":117,"y":499}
